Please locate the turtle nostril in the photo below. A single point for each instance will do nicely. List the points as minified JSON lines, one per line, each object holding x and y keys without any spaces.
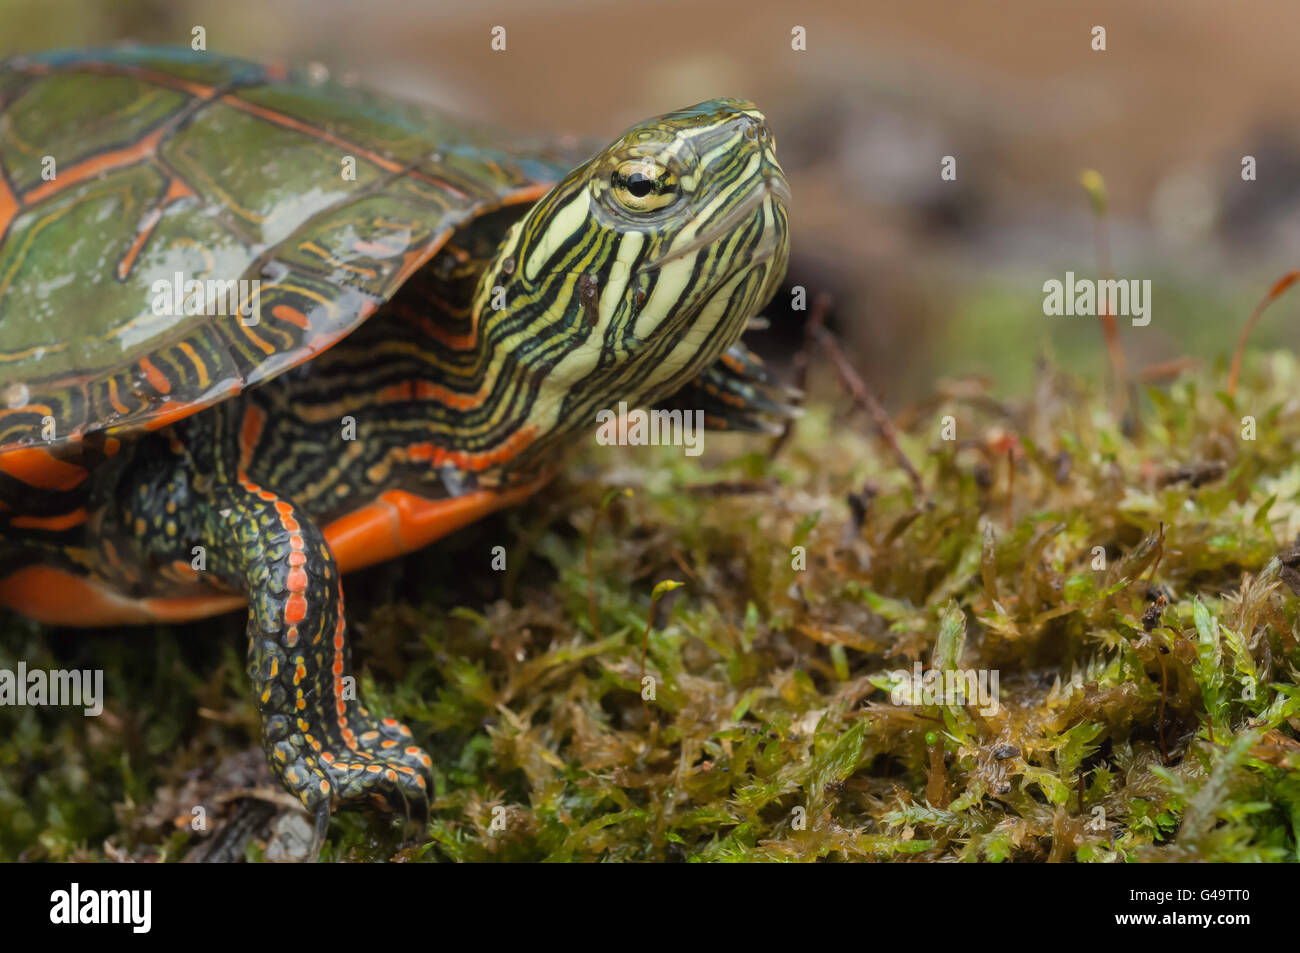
{"x":755,"y":131}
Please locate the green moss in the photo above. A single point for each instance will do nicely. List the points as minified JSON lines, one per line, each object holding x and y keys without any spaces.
{"x":1123,"y":586}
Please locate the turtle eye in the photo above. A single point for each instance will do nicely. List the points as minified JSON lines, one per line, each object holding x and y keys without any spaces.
{"x":641,"y":185}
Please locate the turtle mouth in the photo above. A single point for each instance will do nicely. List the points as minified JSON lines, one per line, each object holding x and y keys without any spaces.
{"x":774,"y":187}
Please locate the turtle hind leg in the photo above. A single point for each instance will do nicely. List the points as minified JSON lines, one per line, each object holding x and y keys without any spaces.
{"x":323,"y":744}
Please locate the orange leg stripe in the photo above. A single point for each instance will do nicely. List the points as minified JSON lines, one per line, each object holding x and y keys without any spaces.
{"x":295,"y":609}
{"x":250,"y":432}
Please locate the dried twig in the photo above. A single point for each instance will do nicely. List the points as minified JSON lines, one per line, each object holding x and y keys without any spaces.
{"x":866,"y":399}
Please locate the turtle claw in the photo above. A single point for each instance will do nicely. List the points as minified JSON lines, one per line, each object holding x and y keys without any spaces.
{"x":319,"y":829}
{"x":738,"y":393}
{"x":385,"y":770}
{"x":385,"y":767}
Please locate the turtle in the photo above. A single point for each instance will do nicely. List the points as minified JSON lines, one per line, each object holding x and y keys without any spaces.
{"x":260,"y":328}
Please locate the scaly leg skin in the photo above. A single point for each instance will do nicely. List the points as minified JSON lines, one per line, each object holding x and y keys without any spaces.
{"x":321,"y":741}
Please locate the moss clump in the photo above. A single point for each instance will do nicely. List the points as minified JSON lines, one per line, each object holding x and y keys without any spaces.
{"x":1122,"y":582}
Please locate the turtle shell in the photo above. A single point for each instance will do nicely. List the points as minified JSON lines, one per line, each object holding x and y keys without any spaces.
{"x":178,"y":226}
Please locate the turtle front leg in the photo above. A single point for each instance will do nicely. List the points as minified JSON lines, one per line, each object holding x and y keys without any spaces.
{"x":322,"y":742}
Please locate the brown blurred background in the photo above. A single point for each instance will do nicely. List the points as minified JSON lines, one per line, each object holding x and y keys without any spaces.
{"x":930,"y":278}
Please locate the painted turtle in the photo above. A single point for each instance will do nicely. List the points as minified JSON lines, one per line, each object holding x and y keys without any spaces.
{"x":258,"y":329}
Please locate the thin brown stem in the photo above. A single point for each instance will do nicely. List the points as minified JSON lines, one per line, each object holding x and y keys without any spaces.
{"x":863,"y":396}
{"x":1280,"y":287}
{"x":1096,"y":188}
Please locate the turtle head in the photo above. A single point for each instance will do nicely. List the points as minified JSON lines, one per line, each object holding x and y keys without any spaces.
{"x":641,"y":266}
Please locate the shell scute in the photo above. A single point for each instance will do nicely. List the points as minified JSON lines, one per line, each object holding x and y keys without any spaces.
{"x":206,"y":224}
